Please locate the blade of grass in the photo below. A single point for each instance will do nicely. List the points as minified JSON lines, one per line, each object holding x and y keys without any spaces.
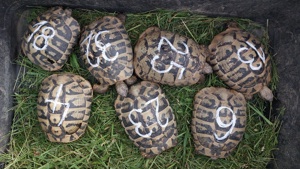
{"x":259,"y":113}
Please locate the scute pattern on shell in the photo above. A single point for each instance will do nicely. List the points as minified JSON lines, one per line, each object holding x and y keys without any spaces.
{"x":64,"y":104}
{"x":208,"y":131}
{"x":147,"y":118}
{"x":152,"y":51}
{"x":227,"y":47}
{"x":111,"y":53}
{"x":54,"y":33}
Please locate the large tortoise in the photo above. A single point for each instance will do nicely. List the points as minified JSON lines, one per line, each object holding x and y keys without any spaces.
{"x":64,"y":104}
{"x":219,"y":121}
{"x":106,"y":50}
{"x":242,"y":62}
{"x":169,"y":58}
{"x":50,"y":38}
{"x":148,"y":119}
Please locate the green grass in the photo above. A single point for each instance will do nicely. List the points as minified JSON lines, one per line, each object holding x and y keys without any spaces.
{"x":105,"y":143}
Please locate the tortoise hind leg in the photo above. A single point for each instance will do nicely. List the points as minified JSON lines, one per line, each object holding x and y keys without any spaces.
{"x":266,"y":94}
{"x":122,"y":88}
{"x":132,"y":80}
{"x":100,"y":88}
{"x":207,"y":69}
{"x":201,"y":79}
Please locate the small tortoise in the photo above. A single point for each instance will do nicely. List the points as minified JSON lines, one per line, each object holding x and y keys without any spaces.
{"x":242,"y":62}
{"x":107,"y":53}
{"x":169,"y":58}
{"x":64,"y":104}
{"x":50,"y":38}
{"x":147,"y":118}
{"x":219,"y":120}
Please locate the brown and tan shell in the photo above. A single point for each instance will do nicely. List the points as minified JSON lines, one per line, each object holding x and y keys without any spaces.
{"x":64,"y":105}
{"x":172,"y":63}
{"x":50,"y":38}
{"x":214,"y":107}
{"x":109,"y":57}
{"x":148,"y":119}
{"x":242,"y":62}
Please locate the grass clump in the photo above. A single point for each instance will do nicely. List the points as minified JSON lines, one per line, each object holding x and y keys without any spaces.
{"x":105,"y":143}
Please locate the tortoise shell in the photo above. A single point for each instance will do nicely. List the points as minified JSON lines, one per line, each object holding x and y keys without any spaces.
{"x":242,"y":62}
{"x":50,"y":38}
{"x":219,"y":120}
{"x":64,"y":104}
{"x":148,"y":119}
{"x":106,"y":50}
{"x":169,"y":58}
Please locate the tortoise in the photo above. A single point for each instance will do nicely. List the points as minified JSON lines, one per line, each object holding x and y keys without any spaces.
{"x":218,"y":122}
{"x":63,"y":106}
{"x":50,"y":38}
{"x":169,"y":58}
{"x":242,"y":62}
{"x":107,"y":53}
{"x":148,"y":119}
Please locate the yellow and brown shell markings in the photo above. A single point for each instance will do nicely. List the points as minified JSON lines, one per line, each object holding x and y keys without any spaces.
{"x":242,"y":62}
{"x":50,"y":38}
{"x":64,"y":105}
{"x":148,"y":119}
{"x":106,"y":50}
{"x":219,"y":121}
{"x":169,"y":58}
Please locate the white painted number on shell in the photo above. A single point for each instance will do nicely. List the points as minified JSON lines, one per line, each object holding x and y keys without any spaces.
{"x":101,"y":46}
{"x":260,"y":53}
{"x":140,"y":110}
{"x":223,"y":125}
{"x":55,"y":102}
{"x":172,"y":63}
{"x":45,"y":37}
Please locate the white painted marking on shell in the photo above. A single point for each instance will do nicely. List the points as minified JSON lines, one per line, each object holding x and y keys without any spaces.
{"x":55,"y":102}
{"x":261,"y":55}
{"x":139,"y":124}
{"x":101,"y":46}
{"x":40,"y":24}
{"x":45,"y":37}
{"x":172,"y":63}
{"x":89,"y":38}
{"x":173,"y":47}
{"x":223,"y":125}
{"x":140,"y":110}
